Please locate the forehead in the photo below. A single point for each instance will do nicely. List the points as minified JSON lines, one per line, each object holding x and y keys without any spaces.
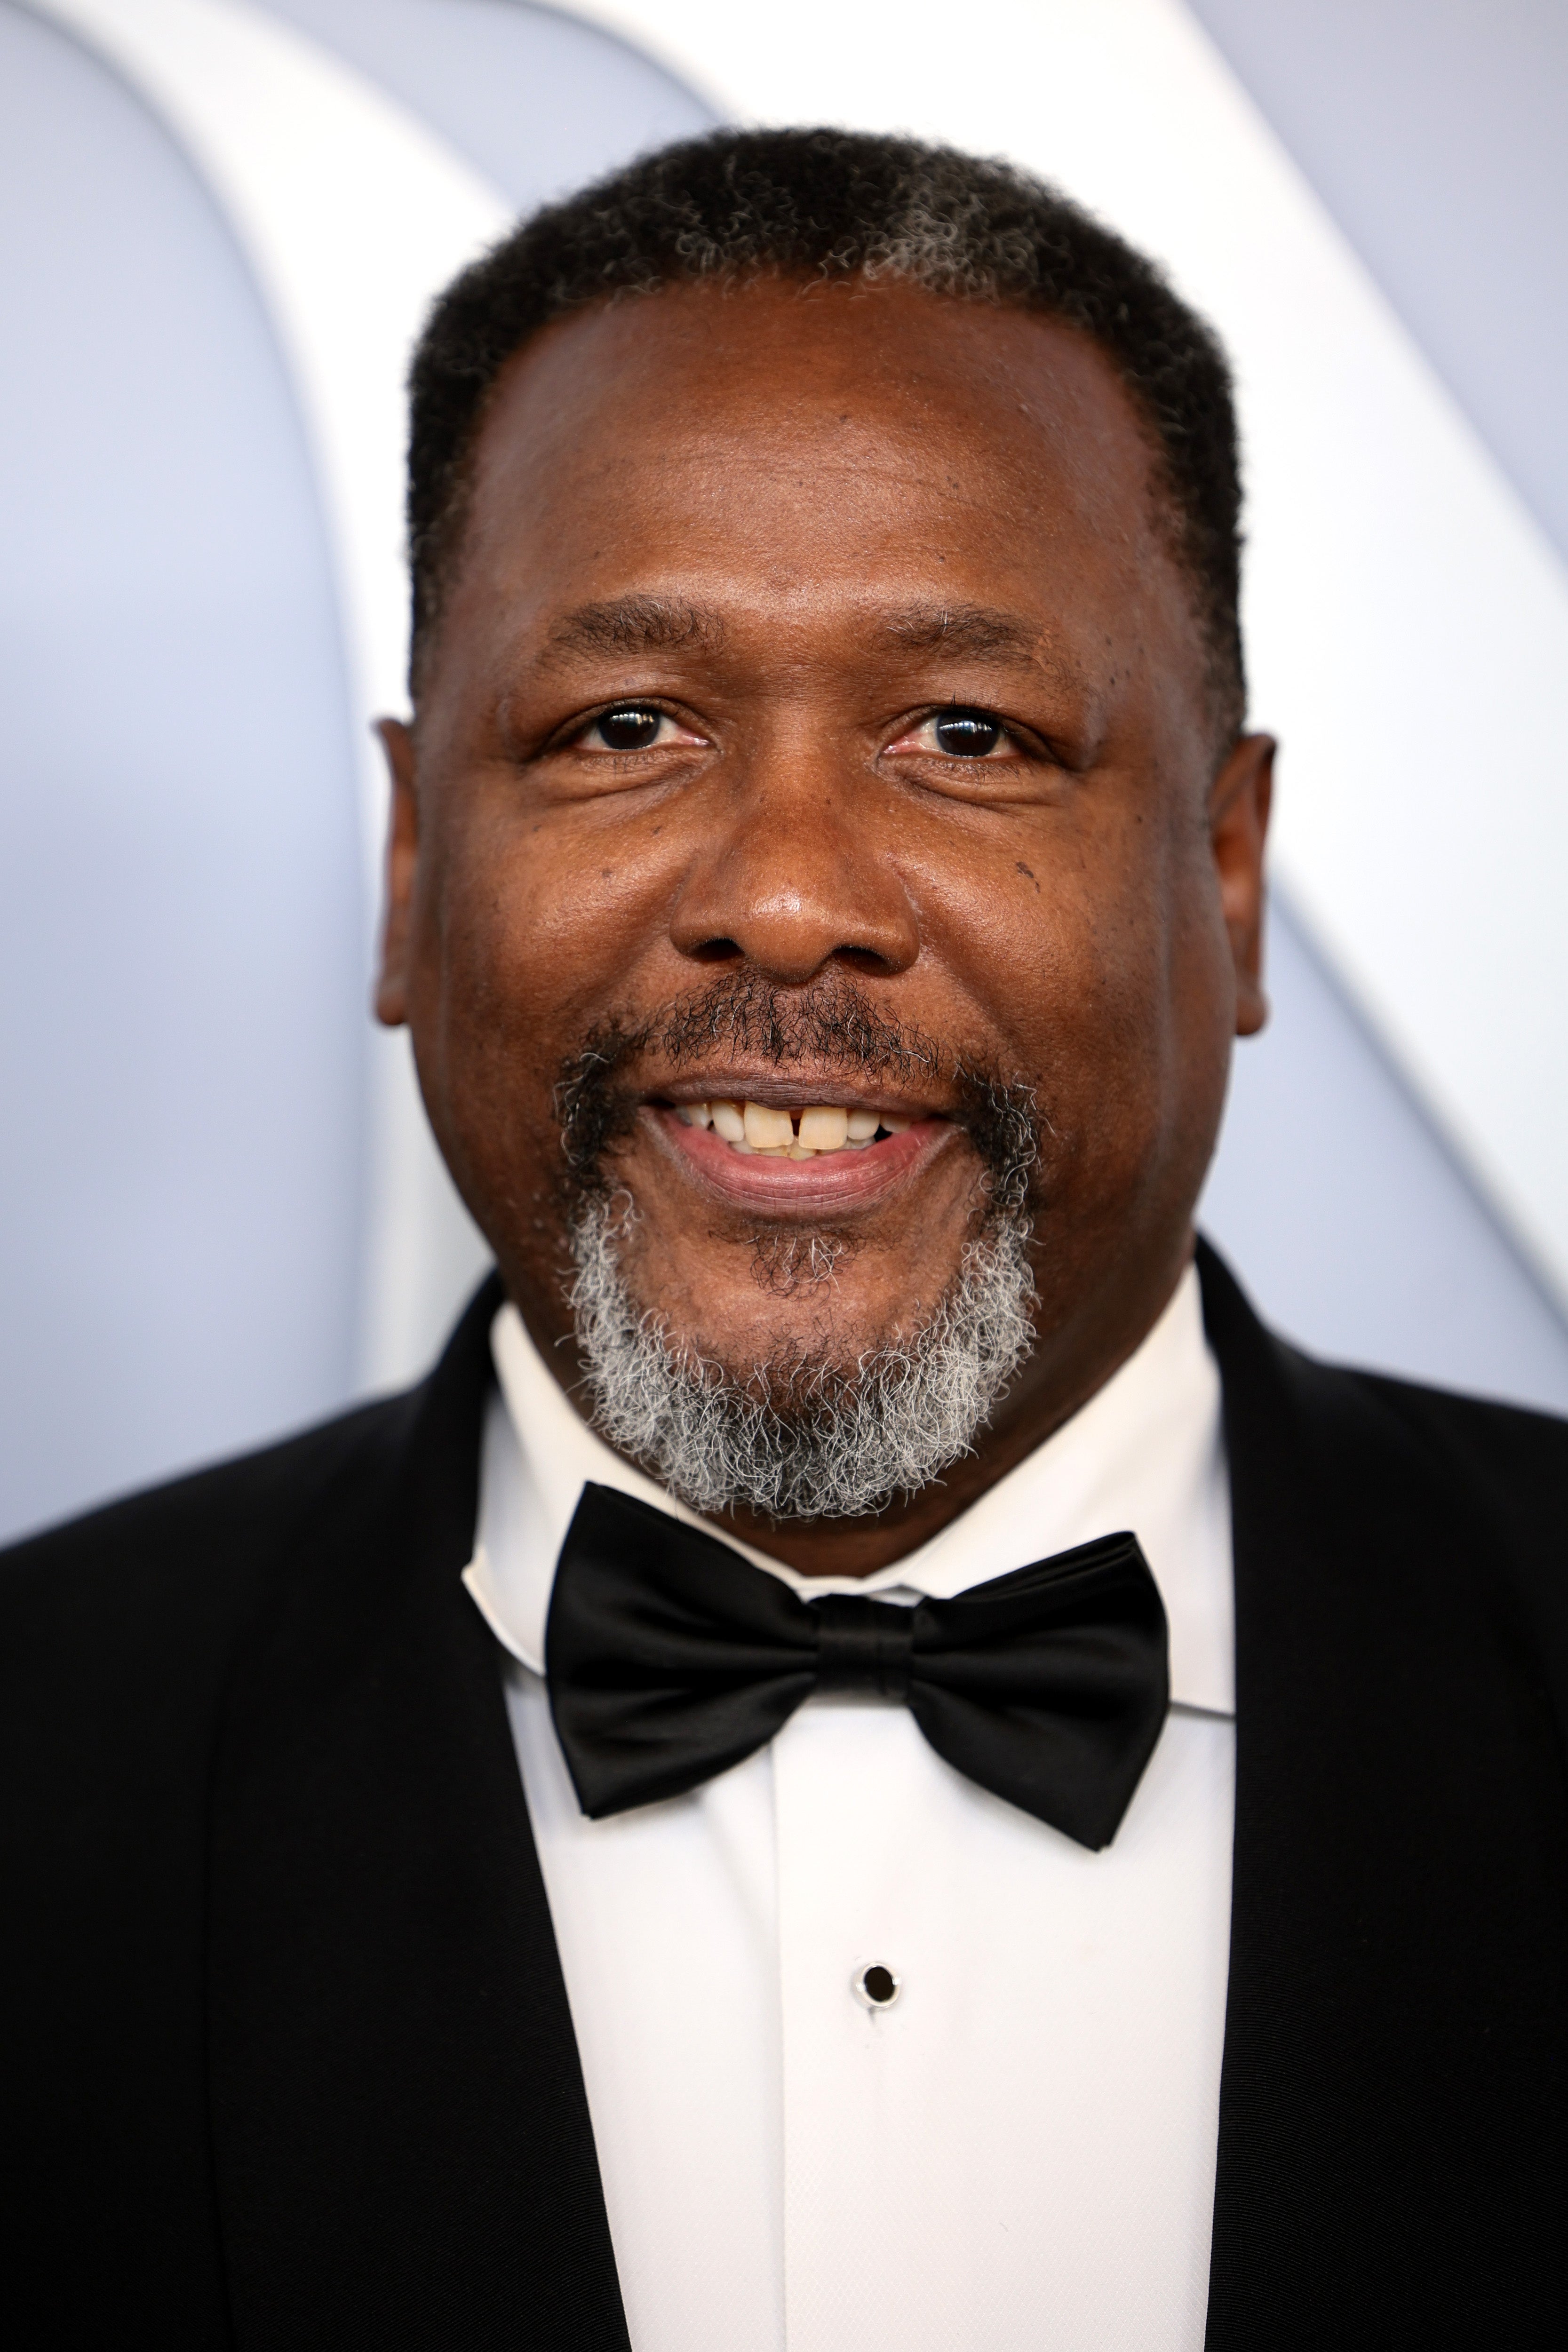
{"x":798,"y":447}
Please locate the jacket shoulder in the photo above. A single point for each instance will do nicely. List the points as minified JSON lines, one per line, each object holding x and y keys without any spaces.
{"x":1467,"y":1435}
{"x":1448,"y":1503}
{"x":119,"y":1630}
{"x":1528,"y":1449}
{"x":157,"y":1584}
{"x":1494,"y":1476}
{"x":1512,"y":1461}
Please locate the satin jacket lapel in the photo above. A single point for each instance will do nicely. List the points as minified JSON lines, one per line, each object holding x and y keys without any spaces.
{"x":1389,"y":2153}
{"x":403,"y":2146}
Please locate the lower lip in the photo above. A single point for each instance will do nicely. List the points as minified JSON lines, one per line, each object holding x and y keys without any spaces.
{"x":835,"y":1180}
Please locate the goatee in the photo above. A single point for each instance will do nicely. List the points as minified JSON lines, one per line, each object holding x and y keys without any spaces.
{"x":800,"y":1436}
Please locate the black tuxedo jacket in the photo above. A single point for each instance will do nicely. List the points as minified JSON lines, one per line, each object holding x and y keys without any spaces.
{"x":287,"y":2058}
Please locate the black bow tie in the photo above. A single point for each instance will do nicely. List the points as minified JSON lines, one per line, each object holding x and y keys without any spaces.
{"x":670,"y":1658}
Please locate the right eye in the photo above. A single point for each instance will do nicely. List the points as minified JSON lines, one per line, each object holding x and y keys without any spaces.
{"x":630,"y":727}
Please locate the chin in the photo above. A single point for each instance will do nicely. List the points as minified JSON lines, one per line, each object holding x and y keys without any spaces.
{"x":809,"y":1423}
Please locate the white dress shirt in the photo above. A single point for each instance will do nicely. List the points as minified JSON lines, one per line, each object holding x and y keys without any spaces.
{"x":1018,"y":2151}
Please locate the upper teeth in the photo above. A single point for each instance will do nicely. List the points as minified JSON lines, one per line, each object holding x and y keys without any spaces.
{"x":778,"y":1134}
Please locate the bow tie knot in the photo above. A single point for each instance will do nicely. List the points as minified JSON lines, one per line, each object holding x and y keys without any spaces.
{"x":670,"y":1658}
{"x":864,"y":1646}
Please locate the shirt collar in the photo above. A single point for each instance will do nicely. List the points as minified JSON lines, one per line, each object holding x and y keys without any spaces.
{"x":1146,"y":1453}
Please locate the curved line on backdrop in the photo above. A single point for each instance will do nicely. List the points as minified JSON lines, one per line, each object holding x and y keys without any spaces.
{"x":352,"y":215}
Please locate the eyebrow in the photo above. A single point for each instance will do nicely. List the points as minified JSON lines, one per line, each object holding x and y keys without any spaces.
{"x":975,"y":632}
{"x":632,"y":626}
{"x":637,"y":624}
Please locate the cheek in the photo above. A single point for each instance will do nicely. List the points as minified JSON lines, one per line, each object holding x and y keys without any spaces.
{"x":533,"y":929}
{"x":1064,"y":950}
{"x":1161,"y":1034}
{"x":1079,"y":970}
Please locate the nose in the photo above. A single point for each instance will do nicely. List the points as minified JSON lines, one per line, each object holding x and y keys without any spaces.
{"x":790,"y":883}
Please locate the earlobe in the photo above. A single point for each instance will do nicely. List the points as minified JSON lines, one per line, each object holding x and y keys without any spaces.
{"x":1238,"y":826}
{"x":402,"y":864}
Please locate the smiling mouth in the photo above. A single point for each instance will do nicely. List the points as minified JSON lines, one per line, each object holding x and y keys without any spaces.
{"x":803,"y":1131}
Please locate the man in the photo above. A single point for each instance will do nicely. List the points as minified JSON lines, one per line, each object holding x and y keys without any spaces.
{"x":825,"y":876}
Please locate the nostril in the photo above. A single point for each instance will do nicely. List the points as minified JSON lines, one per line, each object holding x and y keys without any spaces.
{"x":865,"y":960}
{"x":720,"y":950}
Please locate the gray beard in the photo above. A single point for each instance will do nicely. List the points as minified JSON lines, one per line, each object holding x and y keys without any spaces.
{"x":805,"y":1439}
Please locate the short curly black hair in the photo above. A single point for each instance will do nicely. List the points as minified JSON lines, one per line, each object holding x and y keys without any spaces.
{"x":837,"y":204}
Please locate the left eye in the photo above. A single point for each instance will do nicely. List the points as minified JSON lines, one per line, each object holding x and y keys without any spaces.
{"x":632,"y":727}
{"x":966,"y":734}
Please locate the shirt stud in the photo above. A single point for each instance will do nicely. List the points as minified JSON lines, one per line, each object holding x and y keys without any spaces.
{"x":876,"y":1986}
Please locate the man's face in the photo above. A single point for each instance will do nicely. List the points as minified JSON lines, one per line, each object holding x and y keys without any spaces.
{"x":817,"y":721}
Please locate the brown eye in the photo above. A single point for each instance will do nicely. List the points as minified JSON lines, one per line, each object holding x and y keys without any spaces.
{"x":632,"y":728}
{"x":967,"y":734}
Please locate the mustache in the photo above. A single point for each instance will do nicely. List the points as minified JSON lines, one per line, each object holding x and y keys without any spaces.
{"x":835,"y":1027}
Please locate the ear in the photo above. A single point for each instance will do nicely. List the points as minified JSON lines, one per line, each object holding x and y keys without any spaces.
{"x":1238,"y":823}
{"x":402,"y":864}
